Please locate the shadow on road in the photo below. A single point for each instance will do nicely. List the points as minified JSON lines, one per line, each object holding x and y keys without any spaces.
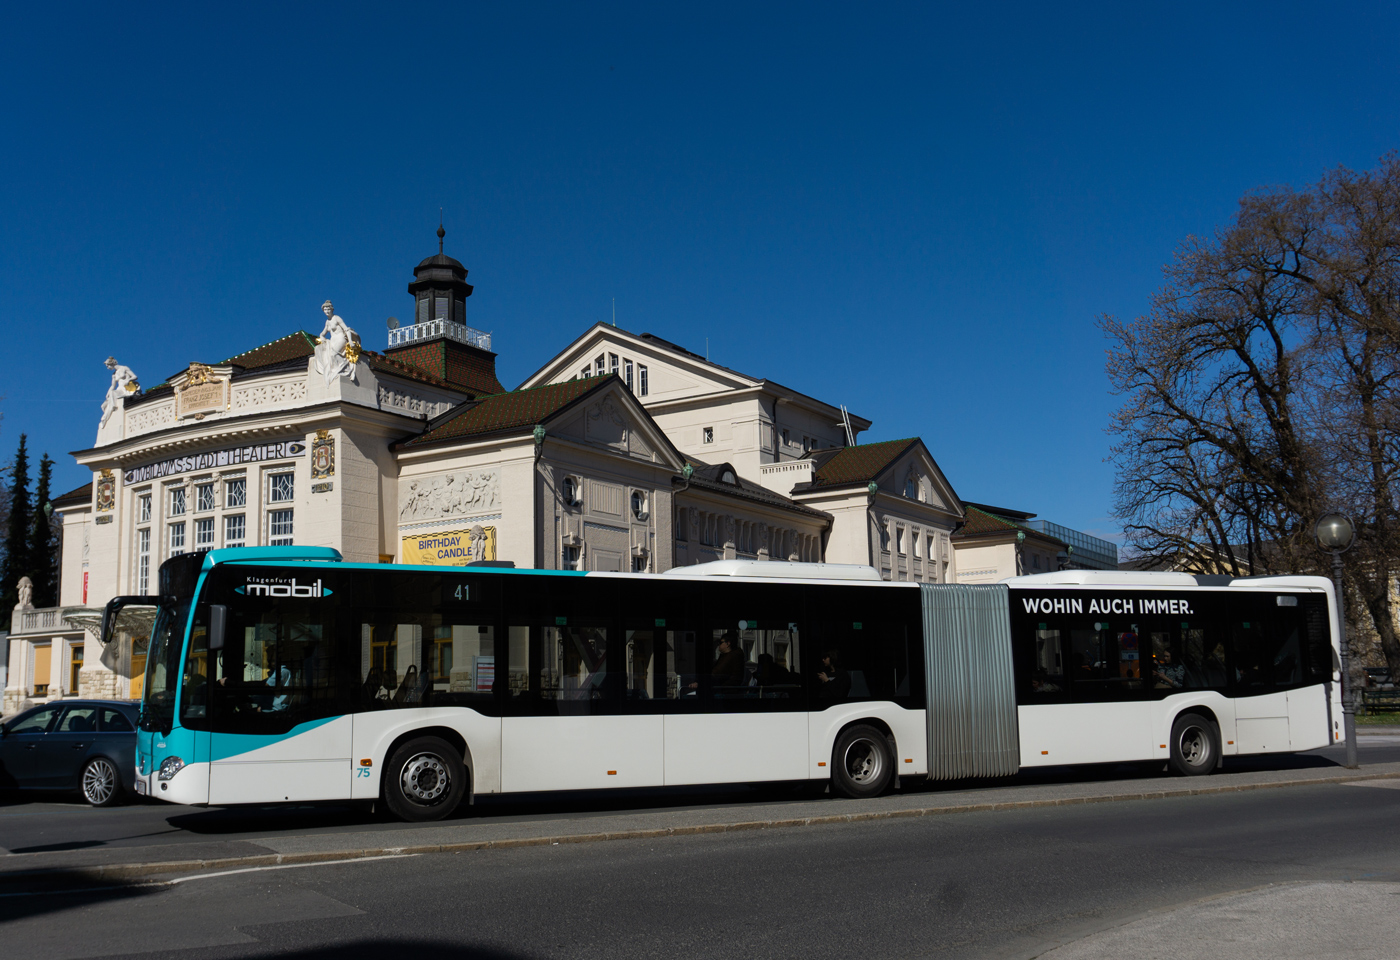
{"x":379,"y":949}
{"x":37,"y":894}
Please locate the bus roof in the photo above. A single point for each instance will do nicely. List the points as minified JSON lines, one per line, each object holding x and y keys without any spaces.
{"x":1155,"y":578}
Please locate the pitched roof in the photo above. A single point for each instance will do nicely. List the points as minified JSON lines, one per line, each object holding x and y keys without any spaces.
{"x":507,"y":411}
{"x":859,"y":464}
{"x":707,"y":477}
{"x":76,"y":497}
{"x":980,"y":523}
{"x":294,"y":346}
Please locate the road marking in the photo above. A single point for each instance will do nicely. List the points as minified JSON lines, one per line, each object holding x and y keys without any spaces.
{"x":286,"y":866}
{"x":1383,"y":784}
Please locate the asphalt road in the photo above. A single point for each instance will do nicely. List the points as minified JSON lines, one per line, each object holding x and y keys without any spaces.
{"x":41,"y":823}
{"x":1003,"y":884}
{"x":1078,"y":881}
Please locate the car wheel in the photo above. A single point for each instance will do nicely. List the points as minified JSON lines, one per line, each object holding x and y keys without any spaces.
{"x":862,"y":764}
{"x":102,"y":785}
{"x":424,"y":780}
{"x":1195,"y":746}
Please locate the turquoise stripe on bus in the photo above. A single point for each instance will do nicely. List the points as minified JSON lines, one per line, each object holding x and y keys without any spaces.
{"x":229,"y":746}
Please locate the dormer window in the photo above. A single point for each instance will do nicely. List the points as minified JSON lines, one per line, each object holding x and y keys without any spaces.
{"x":727,"y":476}
{"x":598,"y":367}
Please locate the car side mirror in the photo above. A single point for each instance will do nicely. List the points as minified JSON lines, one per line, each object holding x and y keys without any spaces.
{"x":218,"y":620}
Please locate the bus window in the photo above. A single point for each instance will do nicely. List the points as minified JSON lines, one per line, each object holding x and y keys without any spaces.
{"x":1048,"y":673}
{"x":1106,"y":660}
{"x":279,"y":667}
{"x":561,"y":668}
{"x":682,"y":664}
{"x":1268,"y":644}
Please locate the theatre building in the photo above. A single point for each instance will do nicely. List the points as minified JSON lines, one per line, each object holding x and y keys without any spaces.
{"x":624,"y":452}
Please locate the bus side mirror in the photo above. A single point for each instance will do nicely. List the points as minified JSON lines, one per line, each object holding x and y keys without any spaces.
{"x":114,"y":606}
{"x":218,"y":619}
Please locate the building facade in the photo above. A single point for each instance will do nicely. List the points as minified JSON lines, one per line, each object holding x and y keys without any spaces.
{"x":624,"y":452}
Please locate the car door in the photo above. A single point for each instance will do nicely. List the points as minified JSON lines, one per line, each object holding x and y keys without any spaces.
{"x":67,"y":746}
{"x":19,"y":748}
{"x":116,"y":739}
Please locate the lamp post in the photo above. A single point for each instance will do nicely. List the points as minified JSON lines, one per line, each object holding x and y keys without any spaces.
{"x":1335,"y":534}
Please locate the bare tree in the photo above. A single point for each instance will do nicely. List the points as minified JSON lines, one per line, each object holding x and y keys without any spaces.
{"x":1263,"y":389}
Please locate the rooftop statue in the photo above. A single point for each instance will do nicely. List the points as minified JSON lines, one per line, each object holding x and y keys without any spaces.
{"x":338,"y":347}
{"x":123,"y":384}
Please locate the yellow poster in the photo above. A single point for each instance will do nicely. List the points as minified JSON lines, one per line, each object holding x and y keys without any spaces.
{"x":450,"y":548}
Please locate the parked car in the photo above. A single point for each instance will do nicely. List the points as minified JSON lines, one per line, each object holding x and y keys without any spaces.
{"x":83,"y":745}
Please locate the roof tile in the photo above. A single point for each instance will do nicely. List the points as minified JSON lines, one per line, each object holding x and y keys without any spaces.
{"x":508,"y":411}
{"x":863,"y":462}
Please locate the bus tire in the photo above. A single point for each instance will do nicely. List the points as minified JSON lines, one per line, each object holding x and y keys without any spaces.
{"x":1195,"y":746}
{"x":424,"y":780}
{"x":862,"y":764}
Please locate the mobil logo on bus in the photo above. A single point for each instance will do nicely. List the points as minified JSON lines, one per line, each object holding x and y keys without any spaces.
{"x":266,"y":587}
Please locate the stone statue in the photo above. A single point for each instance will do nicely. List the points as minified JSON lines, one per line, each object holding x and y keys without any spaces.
{"x":477,"y":538}
{"x":26,"y":592}
{"x":338,"y":348}
{"x":123,"y":384}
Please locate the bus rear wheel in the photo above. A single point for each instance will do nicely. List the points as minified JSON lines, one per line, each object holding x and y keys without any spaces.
{"x":424,"y":780}
{"x":1195,"y":746}
{"x":862,"y":763}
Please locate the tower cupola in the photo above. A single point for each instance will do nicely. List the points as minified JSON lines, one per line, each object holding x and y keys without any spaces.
{"x":440,"y":288}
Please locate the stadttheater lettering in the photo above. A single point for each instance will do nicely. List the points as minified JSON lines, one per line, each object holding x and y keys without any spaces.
{"x":229,"y":457}
{"x":1119,"y":605}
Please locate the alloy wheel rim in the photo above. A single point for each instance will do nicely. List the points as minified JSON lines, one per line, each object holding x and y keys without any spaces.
{"x":863,"y":761}
{"x":425,"y":779}
{"x":99,"y":780}
{"x":1193,"y":746}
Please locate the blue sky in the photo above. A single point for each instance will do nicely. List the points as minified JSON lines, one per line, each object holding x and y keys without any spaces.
{"x":918,"y":211}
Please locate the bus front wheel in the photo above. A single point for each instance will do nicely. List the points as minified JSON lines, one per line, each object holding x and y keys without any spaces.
{"x":424,"y":780}
{"x":862,"y":763}
{"x":1195,"y":746}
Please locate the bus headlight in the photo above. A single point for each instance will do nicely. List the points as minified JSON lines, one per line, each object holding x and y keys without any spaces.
{"x":169,"y":767}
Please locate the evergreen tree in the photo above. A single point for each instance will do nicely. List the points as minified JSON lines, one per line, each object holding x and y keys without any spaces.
{"x":17,"y":555}
{"x":43,"y":541}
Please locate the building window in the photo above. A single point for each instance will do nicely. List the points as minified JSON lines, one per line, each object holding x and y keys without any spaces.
{"x":235,"y":531}
{"x":917,"y":543}
{"x":707,"y":434}
{"x":440,"y":308}
{"x":143,"y":561}
{"x":641,"y":380}
{"x":612,"y":363}
{"x":177,"y":539}
{"x":279,"y":528}
{"x":143,"y":508}
{"x":423,"y":310}
{"x":639,"y":564}
{"x":682,"y":525}
{"x":569,"y":559}
{"x":598,"y":365}
{"x":204,"y":497}
{"x":204,"y":534}
{"x":280,"y":488}
{"x":884,"y":539}
{"x":587,"y":372}
{"x":786,"y":441}
{"x":75,"y":665}
{"x":236,"y":492}
{"x":899,"y":540}
{"x":569,"y":490}
{"x":639,"y":504}
{"x":911,"y":487}
{"x":177,"y":501}
{"x":627,"y":373}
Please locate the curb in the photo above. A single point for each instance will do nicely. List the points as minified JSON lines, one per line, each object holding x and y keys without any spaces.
{"x":128,"y":871}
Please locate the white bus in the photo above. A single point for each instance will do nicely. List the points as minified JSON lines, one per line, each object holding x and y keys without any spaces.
{"x":283,"y":674}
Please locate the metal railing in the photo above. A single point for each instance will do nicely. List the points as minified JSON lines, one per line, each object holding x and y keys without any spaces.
{"x":440,"y":328}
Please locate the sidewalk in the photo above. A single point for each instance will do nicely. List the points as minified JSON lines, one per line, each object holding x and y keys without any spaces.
{"x":125,"y":863}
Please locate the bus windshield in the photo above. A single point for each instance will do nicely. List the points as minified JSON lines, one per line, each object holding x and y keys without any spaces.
{"x":177,"y":579}
{"x":163,"y":668}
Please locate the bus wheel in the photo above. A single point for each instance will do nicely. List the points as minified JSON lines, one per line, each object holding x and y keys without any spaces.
{"x":424,"y":780}
{"x":861,"y":764}
{"x":1195,"y":746}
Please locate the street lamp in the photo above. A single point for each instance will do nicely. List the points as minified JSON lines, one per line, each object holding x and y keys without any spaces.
{"x":1335,"y":534}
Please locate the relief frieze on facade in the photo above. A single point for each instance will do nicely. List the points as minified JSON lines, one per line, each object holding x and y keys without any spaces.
{"x":276,"y":394}
{"x":450,"y":495}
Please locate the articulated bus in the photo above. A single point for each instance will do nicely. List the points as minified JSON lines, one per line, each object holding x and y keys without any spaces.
{"x":283,"y":674}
